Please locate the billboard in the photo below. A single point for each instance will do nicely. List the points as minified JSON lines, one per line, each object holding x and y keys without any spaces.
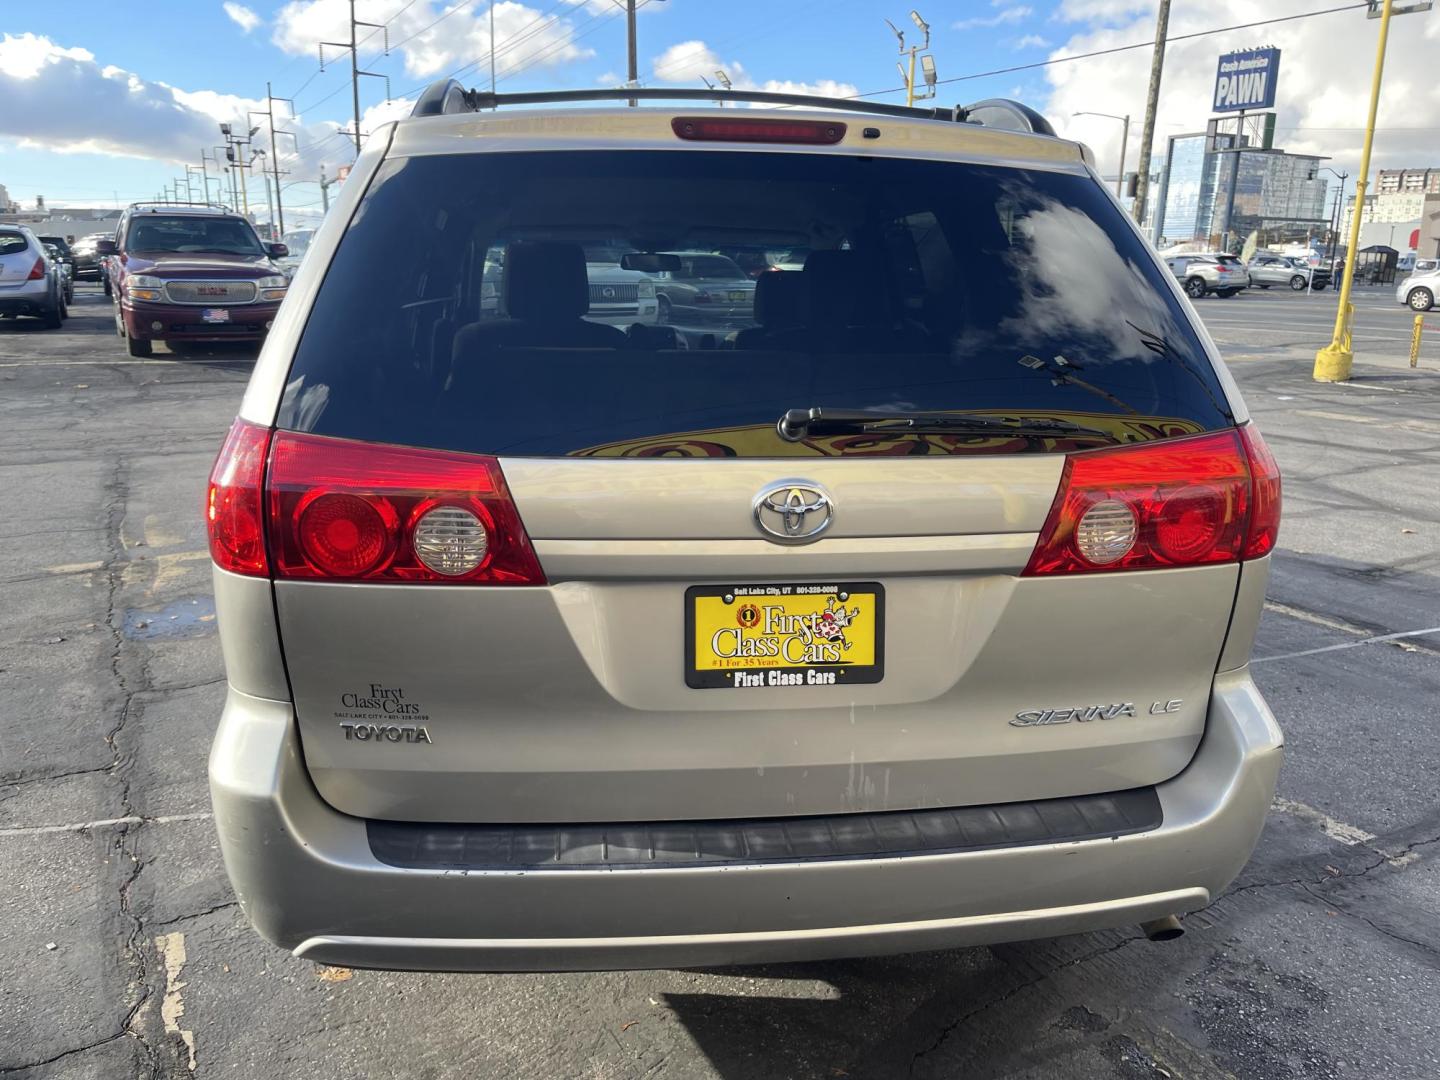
{"x":1246,"y":80}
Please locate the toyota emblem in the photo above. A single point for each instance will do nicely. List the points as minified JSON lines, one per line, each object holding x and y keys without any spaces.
{"x":793,"y":512}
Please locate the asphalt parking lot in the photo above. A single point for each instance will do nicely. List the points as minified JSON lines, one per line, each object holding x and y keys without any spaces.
{"x":123,"y":953}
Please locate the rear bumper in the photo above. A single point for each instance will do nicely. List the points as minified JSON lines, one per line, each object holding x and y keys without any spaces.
{"x":308,"y":881}
{"x":27,"y":298}
{"x":186,"y":322}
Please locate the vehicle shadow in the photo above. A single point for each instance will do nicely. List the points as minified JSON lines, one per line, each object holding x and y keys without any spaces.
{"x":927,"y":1014}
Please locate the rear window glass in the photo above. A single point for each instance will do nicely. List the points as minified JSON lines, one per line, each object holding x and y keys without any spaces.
{"x":650,"y":303}
{"x":10,"y":243}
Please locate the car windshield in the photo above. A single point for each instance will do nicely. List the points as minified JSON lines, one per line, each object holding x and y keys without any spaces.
{"x":182,"y":233}
{"x":927,"y":287}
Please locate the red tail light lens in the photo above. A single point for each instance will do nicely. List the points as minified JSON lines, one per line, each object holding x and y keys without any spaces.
{"x":705,"y":129}
{"x":1265,"y":490}
{"x":348,"y":511}
{"x":1182,"y":502}
{"x":37,"y":271}
{"x":234,"y":504}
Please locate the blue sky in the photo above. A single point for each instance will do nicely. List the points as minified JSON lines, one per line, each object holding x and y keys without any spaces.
{"x":100,"y":101}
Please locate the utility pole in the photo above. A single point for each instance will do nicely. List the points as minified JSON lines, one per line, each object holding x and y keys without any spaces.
{"x":324,"y":191}
{"x":277,"y":213}
{"x":1152,"y":102}
{"x":355,"y":71}
{"x":634,"y":67}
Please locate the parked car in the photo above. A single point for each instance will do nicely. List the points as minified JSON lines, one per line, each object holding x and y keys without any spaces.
{"x":920,"y":617}
{"x":1420,"y":290}
{"x":87,"y":257}
{"x":618,"y":297}
{"x":191,"y":273}
{"x":31,"y":282}
{"x":1200,"y":275}
{"x":297,"y":243}
{"x":706,"y":292}
{"x":63,"y":268}
{"x":1266,"y":270}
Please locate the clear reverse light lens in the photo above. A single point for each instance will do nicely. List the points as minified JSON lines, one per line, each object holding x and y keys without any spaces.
{"x":1106,"y":532}
{"x":450,"y":540}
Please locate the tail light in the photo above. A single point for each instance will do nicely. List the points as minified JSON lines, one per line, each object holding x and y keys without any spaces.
{"x":354,"y":511}
{"x":1182,"y":502}
{"x":37,"y":271}
{"x":234,"y":504}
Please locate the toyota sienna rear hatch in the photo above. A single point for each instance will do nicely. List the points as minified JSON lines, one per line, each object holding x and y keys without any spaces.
{"x":953,"y":518}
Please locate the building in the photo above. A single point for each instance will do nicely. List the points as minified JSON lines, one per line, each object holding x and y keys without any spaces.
{"x":1220,"y":197}
{"x":6,"y":205}
{"x":1425,"y":181}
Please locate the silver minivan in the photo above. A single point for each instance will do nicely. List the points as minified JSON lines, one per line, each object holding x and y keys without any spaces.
{"x":915,"y":614}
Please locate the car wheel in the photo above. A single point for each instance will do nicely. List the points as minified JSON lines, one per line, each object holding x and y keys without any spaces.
{"x":662,"y":311}
{"x":54,"y":313}
{"x":1298,"y":283}
{"x":1420,"y":300}
{"x":1226,"y":294}
{"x":108,"y":290}
{"x":119,"y":321}
{"x":1260,"y":286}
{"x":64,"y":306}
{"x":1195,"y":288}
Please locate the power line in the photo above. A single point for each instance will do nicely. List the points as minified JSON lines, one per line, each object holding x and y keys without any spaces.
{"x":1149,"y":44}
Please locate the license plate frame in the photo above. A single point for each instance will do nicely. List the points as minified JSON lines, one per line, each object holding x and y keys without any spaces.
{"x":859,"y":601}
{"x":215,"y":315}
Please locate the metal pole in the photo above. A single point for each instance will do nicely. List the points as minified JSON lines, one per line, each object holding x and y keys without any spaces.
{"x":324,"y":191}
{"x":1415,"y":341}
{"x":279,"y":212}
{"x":355,"y":77}
{"x":271,"y":207}
{"x":1334,"y":362}
{"x":1152,"y":102}
{"x":634,"y":70}
{"x":492,"y":57}
{"x":1124,"y":142}
{"x":910,"y":79}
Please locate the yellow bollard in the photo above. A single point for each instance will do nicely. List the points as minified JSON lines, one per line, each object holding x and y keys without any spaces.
{"x":1415,"y":341}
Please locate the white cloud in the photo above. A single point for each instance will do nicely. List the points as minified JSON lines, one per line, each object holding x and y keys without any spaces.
{"x":690,"y":61}
{"x":432,"y":39}
{"x":1319,"y":113}
{"x":129,"y":116}
{"x":242,"y":16}
{"x":1032,"y":41}
{"x":1000,"y":18}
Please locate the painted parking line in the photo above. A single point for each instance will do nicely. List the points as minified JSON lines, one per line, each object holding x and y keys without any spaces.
{"x":1376,"y":640}
{"x":1345,"y":833}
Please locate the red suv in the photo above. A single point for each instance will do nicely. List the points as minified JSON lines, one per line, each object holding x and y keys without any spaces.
{"x":191,"y":273}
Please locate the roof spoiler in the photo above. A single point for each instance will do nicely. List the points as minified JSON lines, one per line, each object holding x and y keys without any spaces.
{"x":448,"y":96}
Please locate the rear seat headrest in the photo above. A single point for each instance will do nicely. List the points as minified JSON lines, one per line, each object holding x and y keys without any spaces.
{"x":545,"y":281}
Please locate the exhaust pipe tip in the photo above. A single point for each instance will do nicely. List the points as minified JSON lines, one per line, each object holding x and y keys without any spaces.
{"x":1163,"y":929}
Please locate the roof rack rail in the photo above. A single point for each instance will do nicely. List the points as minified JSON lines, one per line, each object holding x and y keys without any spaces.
{"x":448,"y":96}
{"x":177,"y":203}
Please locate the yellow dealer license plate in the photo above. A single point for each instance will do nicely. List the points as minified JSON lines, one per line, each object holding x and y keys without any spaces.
{"x":752,"y":636}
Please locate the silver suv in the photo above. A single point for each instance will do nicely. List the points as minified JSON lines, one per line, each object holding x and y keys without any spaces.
{"x":915,"y":614}
{"x":32,"y":281}
{"x":1200,"y":275}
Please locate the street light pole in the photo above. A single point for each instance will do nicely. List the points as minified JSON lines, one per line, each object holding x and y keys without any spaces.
{"x":1334,"y":362}
{"x":1124,"y":142}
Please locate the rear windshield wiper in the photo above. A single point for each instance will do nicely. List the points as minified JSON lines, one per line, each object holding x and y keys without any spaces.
{"x":798,"y":424}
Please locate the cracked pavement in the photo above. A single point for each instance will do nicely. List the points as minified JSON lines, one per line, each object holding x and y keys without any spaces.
{"x":122,"y":947}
